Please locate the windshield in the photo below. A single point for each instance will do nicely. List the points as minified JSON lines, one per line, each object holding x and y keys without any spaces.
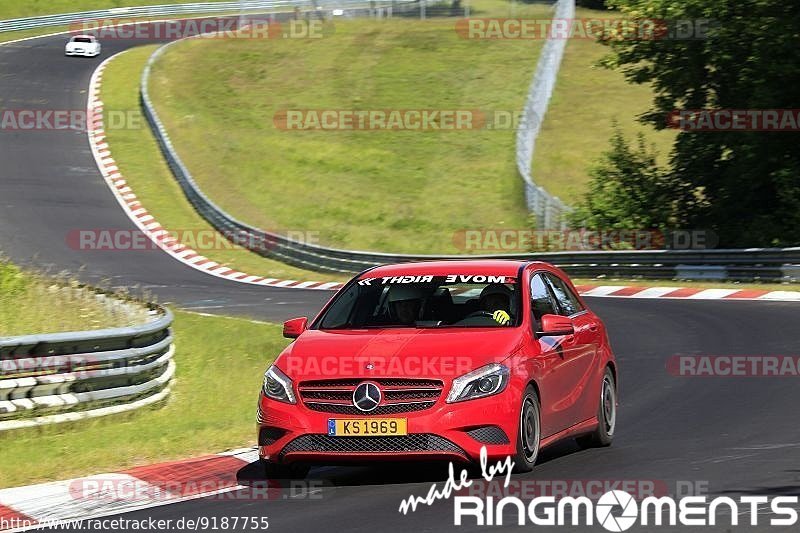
{"x":425,"y":302}
{"x":81,"y":40}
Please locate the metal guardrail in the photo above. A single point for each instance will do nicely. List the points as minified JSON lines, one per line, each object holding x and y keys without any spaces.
{"x":547,"y":209}
{"x":60,"y":377}
{"x":752,"y":264}
{"x":245,"y":6}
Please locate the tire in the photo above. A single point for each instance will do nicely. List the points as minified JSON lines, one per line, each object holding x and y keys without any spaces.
{"x":530,"y":431}
{"x":606,"y":415}
{"x":283,"y":471}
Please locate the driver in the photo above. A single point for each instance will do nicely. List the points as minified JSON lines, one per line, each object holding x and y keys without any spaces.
{"x":405,"y":303}
{"x":495,"y":299}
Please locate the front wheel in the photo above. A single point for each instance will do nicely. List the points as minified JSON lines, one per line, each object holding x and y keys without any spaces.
{"x":530,"y":432}
{"x":606,"y":415}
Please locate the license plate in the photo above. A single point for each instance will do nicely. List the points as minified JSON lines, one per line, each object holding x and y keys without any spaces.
{"x":367,"y":427}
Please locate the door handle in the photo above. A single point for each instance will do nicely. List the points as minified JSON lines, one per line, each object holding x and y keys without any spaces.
{"x":593,"y":327}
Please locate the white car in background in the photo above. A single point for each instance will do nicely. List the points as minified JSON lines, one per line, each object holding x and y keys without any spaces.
{"x":83,"y":45}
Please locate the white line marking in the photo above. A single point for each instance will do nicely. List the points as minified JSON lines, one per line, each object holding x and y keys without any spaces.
{"x":602,"y":290}
{"x":712,"y":294}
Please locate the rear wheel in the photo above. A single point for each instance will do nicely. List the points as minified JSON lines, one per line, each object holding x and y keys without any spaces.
{"x":606,"y":415}
{"x":530,"y":432}
{"x":283,"y":471}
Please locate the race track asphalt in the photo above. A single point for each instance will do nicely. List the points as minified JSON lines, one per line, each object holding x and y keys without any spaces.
{"x":50,"y":185}
{"x":732,"y":436}
{"x":725,"y":436}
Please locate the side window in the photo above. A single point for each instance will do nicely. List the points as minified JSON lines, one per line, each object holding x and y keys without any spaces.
{"x":541,"y":301}
{"x":566,"y":298}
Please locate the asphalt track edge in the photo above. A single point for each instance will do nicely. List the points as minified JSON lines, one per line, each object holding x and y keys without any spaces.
{"x":138,"y":214}
{"x":36,"y":502}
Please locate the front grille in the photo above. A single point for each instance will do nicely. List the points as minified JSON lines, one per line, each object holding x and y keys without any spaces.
{"x":489,"y":435}
{"x":399,"y":395}
{"x":391,"y":409}
{"x":388,"y":394}
{"x":384,"y":382}
{"x":414,"y":443}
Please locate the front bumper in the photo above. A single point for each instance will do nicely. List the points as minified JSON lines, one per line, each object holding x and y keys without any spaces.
{"x":86,"y":53}
{"x":457,"y":432}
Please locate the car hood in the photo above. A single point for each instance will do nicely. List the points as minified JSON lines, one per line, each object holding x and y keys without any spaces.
{"x":414,"y":353}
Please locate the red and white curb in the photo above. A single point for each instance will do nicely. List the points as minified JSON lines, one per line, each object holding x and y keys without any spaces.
{"x":145,"y":221}
{"x":687,"y":293}
{"x":50,"y":504}
{"x":150,"y":227}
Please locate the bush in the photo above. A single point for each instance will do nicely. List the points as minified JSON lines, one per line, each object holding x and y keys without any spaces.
{"x":628,"y":190}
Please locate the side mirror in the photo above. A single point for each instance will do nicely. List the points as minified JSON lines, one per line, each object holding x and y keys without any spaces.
{"x":294,"y":327}
{"x":556,"y":325}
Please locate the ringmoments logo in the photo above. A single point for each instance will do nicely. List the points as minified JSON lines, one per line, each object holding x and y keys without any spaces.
{"x":615,"y":510}
{"x":611,"y":500}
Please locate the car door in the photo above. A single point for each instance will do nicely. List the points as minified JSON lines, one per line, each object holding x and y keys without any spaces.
{"x":554,"y":355}
{"x":579,"y":369}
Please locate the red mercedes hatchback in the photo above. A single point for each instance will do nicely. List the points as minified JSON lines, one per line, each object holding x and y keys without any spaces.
{"x":439,"y":360}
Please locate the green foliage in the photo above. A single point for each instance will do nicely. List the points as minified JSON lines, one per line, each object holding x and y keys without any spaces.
{"x":33,"y":303}
{"x":746,"y":59}
{"x":12,"y":280}
{"x":628,"y":190}
{"x":586,"y":101}
{"x":146,"y":172}
{"x":395,"y":191}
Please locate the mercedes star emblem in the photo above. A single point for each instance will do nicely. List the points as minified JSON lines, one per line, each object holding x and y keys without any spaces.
{"x":367,"y":396}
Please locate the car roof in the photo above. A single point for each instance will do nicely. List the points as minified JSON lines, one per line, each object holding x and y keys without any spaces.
{"x":498,"y":267}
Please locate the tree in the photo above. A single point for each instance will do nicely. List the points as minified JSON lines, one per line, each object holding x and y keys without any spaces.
{"x":628,"y":190}
{"x":743,"y":185}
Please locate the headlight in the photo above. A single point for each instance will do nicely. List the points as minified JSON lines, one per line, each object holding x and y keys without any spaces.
{"x":485,"y":381}
{"x":277,"y":385}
